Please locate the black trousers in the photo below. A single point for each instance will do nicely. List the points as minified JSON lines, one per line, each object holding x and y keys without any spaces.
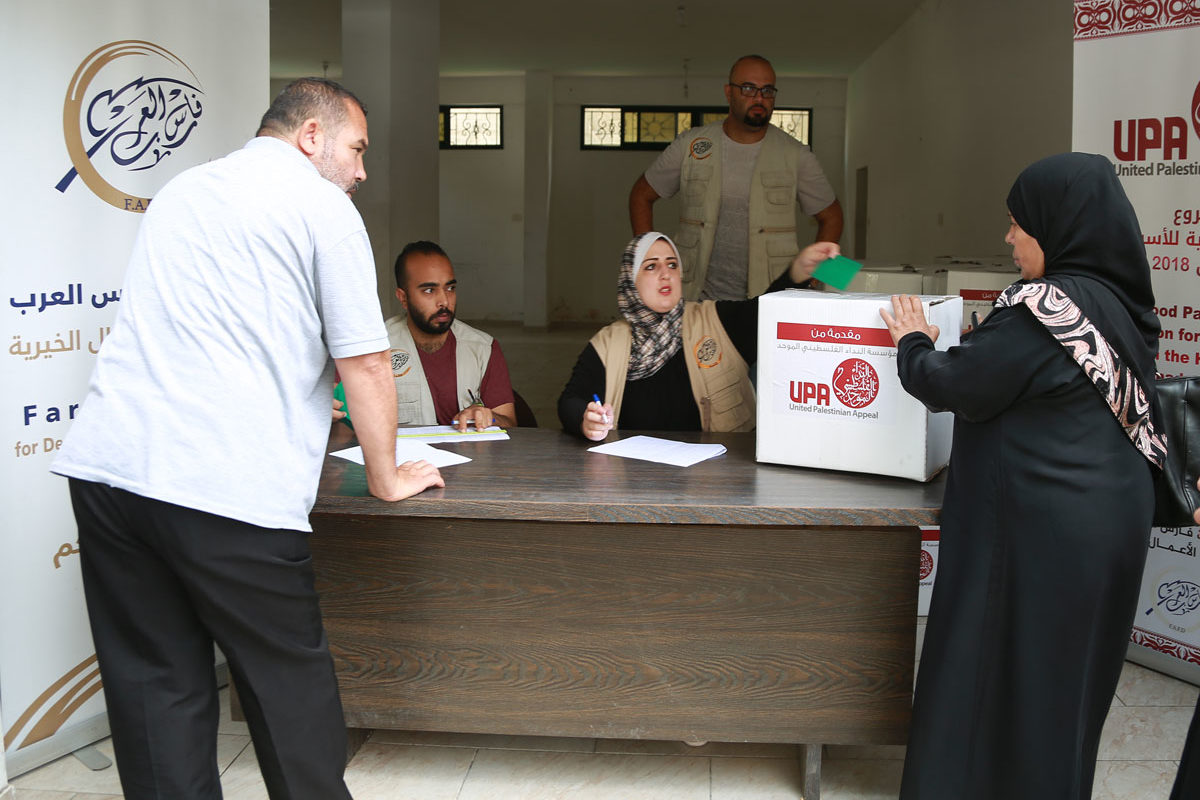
{"x":162,"y":583}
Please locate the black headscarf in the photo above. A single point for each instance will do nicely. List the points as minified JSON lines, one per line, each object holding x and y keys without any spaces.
{"x":1075,"y":208}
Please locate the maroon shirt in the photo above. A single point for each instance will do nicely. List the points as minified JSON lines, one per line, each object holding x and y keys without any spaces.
{"x":441,"y":373}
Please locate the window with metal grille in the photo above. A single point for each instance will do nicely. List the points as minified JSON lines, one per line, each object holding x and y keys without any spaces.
{"x":477,"y":127}
{"x":654,"y":127}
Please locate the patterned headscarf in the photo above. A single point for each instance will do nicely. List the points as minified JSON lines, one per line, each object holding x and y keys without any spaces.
{"x":1095,"y":298}
{"x":656,"y":337}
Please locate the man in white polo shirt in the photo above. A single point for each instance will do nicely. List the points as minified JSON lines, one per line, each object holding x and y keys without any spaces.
{"x":195,"y":458}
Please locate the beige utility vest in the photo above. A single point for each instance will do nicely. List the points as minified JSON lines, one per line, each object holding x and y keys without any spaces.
{"x":719,"y":376}
{"x":772,"y":236}
{"x":414,"y":401}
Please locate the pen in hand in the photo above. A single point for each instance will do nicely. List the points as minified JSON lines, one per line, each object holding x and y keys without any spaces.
{"x":603,"y":413}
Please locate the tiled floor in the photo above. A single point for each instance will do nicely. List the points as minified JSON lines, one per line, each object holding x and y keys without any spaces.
{"x":1139,"y":754}
{"x":1139,"y":749}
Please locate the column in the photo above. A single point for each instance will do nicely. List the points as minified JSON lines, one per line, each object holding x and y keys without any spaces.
{"x":390,"y":57}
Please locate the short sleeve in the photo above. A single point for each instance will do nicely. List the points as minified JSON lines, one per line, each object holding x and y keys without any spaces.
{"x":663,"y":174}
{"x":813,"y":191}
{"x":349,"y":307}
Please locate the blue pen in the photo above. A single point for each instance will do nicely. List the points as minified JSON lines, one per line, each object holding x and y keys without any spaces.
{"x":607,"y":421}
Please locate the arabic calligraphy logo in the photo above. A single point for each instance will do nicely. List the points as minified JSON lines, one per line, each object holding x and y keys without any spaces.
{"x":56,"y":704}
{"x":708,"y":354}
{"x":1196,"y":110}
{"x":140,"y":123}
{"x":702,"y":149}
{"x":1178,"y":597}
{"x":400,"y":359}
{"x":855,"y":383}
{"x":926,"y":564}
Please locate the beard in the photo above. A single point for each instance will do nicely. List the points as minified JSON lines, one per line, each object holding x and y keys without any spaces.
{"x":330,"y":170}
{"x":427,"y":324}
{"x":757,"y":121}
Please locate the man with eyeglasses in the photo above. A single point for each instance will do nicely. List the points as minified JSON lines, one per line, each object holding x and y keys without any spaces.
{"x":740,"y":179}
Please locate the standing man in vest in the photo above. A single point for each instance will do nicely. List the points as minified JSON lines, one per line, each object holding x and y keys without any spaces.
{"x":446,"y":372}
{"x":740,"y":179}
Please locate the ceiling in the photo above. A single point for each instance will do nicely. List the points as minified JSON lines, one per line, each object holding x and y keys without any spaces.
{"x":613,"y":37}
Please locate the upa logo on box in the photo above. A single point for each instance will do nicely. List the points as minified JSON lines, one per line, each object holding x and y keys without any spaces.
{"x":854,"y":383}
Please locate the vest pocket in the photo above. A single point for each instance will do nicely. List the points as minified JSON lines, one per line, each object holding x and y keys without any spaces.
{"x":778,"y":187}
{"x":408,"y":403}
{"x":726,"y":401}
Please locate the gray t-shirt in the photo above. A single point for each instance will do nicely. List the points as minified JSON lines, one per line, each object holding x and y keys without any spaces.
{"x":725,"y":278}
{"x":214,"y":388}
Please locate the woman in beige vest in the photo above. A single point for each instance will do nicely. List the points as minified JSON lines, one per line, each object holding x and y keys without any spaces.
{"x":670,"y":364}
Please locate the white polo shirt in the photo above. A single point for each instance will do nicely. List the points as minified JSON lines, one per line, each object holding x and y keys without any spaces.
{"x":213,"y":390}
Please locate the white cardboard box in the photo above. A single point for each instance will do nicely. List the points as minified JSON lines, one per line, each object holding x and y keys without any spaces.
{"x":978,"y":289}
{"x":828,"y":392}
{"x":900,"y":280}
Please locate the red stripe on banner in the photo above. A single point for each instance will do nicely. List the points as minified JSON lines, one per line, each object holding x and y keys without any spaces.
{"x":931,"y":534}
{"x":1097,"y":19}
{"x":1165,"y":644}
{"x":833,"y":334}
{"x":980,"y":294}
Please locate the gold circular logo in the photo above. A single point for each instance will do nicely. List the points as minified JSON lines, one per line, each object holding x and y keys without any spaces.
{"x":140,"y":123}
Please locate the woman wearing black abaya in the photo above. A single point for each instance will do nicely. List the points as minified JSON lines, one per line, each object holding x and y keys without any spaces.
{"x":1048,"y":498}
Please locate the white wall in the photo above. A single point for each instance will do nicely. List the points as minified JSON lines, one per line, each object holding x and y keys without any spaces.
{"x":946,"y":113}
{"x":481,"y":202}
{"x":589,"y":219}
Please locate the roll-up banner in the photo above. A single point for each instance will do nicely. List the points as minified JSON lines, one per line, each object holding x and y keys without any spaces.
{"x":1137,"y":101}
{"x":107,"y":102}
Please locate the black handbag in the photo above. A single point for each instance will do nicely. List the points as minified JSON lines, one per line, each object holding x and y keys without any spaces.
{"x":1175,"y":494}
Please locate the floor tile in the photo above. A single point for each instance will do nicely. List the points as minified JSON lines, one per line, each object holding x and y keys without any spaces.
{"x":403,"y":772}
{"x":490,"y":741}
{"x":852,"y":779}
{"x":1144,"y":733}
{"x":1140,"y":686}
{"x":757,"y":779}
{"x":43,"y":794}
{"x":1133,"y":780}
{"x":68,"y":774}
{"x":242,"y":780}
{"x":723,"y":749}
{"x":521,"y":775}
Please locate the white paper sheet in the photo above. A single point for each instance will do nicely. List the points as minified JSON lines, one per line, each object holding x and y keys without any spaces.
{"x":661,"y":451}
{"x":409,"y":450}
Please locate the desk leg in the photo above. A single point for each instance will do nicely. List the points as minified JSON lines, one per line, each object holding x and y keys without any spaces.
{"x":355,"y":738}
{"x":812,"y":772}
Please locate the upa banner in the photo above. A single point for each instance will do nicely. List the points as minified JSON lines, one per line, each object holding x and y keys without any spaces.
{"x":1137,"y":101}
{"x":111,"y":101}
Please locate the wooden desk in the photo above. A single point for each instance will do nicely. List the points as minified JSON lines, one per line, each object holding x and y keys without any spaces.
{"x":554,"y":592}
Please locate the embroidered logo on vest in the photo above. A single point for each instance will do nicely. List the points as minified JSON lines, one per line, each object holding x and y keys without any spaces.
{"x":708,"y":353}
{"x":400,"y":363}
{"x":702,"y":148}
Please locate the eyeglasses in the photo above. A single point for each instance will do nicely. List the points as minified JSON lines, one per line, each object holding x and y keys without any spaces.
{"x":749,"y":90}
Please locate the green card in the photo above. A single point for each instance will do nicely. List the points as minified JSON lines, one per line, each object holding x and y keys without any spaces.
{"x":837,"y":271}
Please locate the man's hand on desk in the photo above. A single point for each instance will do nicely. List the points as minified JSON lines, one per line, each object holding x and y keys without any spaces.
{"x":411,"y":477}
{"x":485,"y":417}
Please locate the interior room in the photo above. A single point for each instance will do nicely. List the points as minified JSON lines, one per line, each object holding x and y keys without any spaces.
{"x":922,"y":114}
